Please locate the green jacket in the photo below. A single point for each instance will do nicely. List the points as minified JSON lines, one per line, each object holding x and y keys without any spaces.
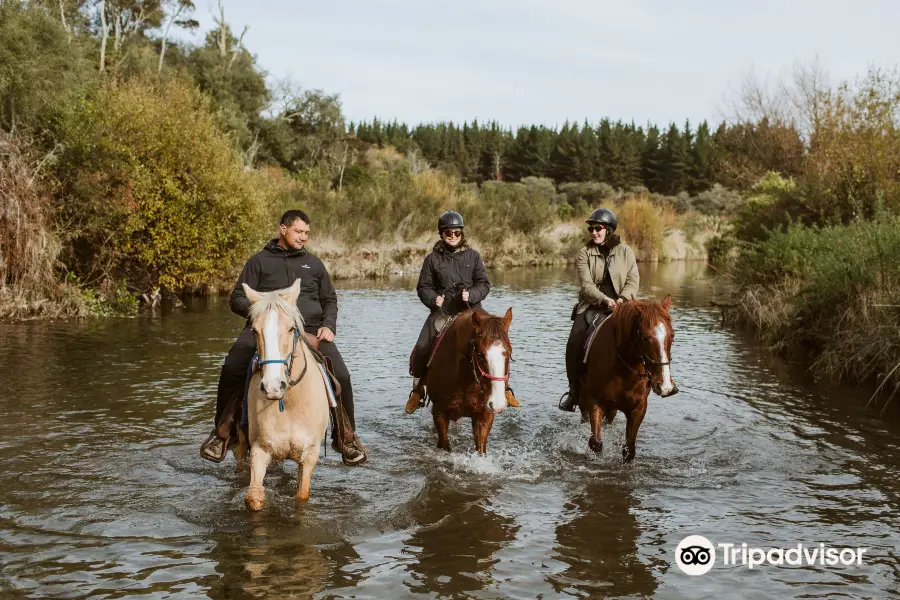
{"x":623,"y":271}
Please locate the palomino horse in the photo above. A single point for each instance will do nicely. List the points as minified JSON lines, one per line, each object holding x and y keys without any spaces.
{"x":630,"y":356}
{"x":468,"y":373}
{"x":287,"y":402}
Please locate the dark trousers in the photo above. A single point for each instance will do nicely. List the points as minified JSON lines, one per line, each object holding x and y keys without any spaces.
{"x":423,"y":345}
{"x":234,"y":373}
{"x":575,"y":346}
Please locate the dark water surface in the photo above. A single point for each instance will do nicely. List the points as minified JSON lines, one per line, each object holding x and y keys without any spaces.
{"x":103,"y":495}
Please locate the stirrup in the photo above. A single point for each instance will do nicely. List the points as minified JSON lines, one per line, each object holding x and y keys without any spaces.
{"x":216,"y":458}
{"x":568,"y":396}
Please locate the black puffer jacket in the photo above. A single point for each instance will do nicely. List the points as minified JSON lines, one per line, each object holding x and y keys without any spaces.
{"x":443,"y":271}
{"x":276,"y":268}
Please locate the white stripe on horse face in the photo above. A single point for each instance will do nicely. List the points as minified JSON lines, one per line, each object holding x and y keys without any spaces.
{"x":667,"y":384}
{"x":272,"y":373}
{"x":496,"y":363}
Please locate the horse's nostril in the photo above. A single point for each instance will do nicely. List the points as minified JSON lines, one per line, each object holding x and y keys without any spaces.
{"x":262,"y":387}
{"x":283,"y":386}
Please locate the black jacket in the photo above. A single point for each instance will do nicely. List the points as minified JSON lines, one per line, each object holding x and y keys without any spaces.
{"x":442,"y":271}
{"x":275,"y":268}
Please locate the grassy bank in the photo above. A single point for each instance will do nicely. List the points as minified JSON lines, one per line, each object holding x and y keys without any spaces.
{"x":828,"y":296}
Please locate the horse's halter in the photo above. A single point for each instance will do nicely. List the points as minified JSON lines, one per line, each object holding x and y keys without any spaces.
{"x":288,"y":364}
{"x":478,"y":372}
{"x":645,"y":360}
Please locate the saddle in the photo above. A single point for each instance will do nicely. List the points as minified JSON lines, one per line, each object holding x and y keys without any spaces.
{"x":594,"y":327}
{"x":441,"y":325}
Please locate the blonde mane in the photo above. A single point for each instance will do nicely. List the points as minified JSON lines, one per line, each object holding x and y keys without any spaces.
{"x":269,"y":300}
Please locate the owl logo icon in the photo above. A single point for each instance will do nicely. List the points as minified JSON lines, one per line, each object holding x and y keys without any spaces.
{"x":695,"y":555}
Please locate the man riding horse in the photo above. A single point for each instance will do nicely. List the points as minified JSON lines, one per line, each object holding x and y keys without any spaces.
{"x":453,"y":279}
{"x":607,"y":275}
{"x":276,"y":267}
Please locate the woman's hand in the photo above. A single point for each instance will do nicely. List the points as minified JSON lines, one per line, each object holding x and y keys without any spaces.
{"x":465,"y":295}
{"x":439,"y":301}
{"x":609,"y":303}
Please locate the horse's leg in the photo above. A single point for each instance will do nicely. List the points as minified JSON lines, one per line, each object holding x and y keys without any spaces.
{"x":240,"y":451}
{"x":441,"y":423}
{"x":304,"y":472}
{"x":487,"y":421}
{"x":595,"y":442}
{"x":259,"y":462}
{"x":635,"y":418}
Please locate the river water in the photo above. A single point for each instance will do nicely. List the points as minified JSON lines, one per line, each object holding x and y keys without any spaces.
{"x":103,"y":495}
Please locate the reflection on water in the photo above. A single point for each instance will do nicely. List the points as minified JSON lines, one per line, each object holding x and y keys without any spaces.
{"x":102,"y":493}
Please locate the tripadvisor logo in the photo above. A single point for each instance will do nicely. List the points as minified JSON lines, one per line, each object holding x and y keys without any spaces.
{"x":696,"y":555}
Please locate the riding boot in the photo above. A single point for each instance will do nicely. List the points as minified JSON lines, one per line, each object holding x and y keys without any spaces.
{"x":416,"y":396}
{"x":345,"y":440}
{"x":569,"y":401}
{"x":511,"y":397}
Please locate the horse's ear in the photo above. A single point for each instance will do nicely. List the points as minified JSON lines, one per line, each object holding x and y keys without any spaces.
{"x":476,"y":320}
{"x":507,"y":319}
{"x":667,"y":302}
{"x":292,"y":292}
{"x":252,"y":295}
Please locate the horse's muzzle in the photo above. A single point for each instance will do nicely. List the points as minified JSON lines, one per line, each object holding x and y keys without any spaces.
{"x":273,"y":392}
{"x":668,"y":393}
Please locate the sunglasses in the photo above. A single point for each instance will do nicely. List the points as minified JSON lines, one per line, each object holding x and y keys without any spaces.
{"x":593,"y":228}
{"x":453,"y":234}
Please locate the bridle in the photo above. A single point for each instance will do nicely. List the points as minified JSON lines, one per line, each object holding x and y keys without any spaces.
{"x":478,"y":372}
{"x":288,"y":364}
{"x":645,"y":360}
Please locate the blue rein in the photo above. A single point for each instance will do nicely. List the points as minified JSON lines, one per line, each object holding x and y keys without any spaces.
{"x":287,"y":362}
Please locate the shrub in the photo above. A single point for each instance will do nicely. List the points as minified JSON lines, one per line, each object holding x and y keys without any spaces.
{"x":153,"y":191}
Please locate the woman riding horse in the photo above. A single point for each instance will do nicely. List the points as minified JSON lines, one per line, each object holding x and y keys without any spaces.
{"x":607,"y":275}
{"x":453,"y":279}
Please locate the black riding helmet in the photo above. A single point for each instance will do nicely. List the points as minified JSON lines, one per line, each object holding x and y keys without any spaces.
{"x":603,"y":216}
{"x":449,"y":219}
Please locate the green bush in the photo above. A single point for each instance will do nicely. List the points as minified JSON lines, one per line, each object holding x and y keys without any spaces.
{"x":833,"y":291}
{"x":151,"y":190}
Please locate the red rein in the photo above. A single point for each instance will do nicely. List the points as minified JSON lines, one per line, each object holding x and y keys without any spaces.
{"x":488,"y":375}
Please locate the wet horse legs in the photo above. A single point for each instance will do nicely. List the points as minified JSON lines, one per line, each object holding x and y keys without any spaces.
{"x":595,"y":442}
{"x":481,"y":427}
{"x":304,"y":473}
{"x":259,"y":462}
{"x":635,"y":418}
{"x":441,"y":423}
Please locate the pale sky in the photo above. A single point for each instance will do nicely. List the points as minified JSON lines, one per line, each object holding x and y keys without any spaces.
{"x":542,"y":62}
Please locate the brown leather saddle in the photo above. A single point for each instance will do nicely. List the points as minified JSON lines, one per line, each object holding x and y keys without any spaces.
{"x":598,"y":321}
{"x":441,"y":325}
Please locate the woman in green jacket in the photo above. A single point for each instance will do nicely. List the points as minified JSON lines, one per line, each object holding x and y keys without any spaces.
{"x":607,"y":275}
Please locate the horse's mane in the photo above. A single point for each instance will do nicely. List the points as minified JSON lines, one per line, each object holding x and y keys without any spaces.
{"x":274,"y":300}
{"x":492,"y":326}
{"x":628,"y":313}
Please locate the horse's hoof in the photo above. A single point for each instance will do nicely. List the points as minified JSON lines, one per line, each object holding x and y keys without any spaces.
{"x":255,"y":499}
{"x":596,"y":446}
{"x":627,"y":455}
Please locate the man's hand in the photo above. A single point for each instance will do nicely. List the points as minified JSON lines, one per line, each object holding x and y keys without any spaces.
{"x":439,"y":301}
{"x":610,"y":303}
{"x":465,"y":295}
{"x":620,"y":301}
{"x":325,"y":335}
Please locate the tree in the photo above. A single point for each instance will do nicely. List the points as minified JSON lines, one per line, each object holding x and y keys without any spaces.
{"x":178,"y":15}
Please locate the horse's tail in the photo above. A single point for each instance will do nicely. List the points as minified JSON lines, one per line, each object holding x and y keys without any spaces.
{"x":609,"y":416}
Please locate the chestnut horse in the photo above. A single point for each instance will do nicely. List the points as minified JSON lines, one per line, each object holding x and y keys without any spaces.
{"x":630,"y":356}
{"x":468,"y":374}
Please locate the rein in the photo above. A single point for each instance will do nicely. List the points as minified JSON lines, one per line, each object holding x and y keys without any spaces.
{"x":478,"y":372}
{"x":288,"y":365}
